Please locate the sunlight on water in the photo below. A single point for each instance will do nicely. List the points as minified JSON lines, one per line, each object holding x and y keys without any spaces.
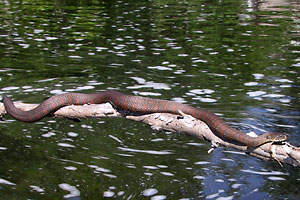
{"x":239,"y":59}
{"x":71,"y":168}
{"x":150,"y":192}
{"x":65,"y":145}
{"x":47,"y":135}
{"x":73,"y":191}
{"x":148,"y":94}
{"x":99,"y":169}
{"x":37,"y":189}
{"x":264,"y":172}
{"x":144,"y":84}
{"x":3,"y":181}
{"x":162,"y":152}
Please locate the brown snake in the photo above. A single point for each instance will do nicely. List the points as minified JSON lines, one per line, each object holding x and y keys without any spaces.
{"x":142,"y":105}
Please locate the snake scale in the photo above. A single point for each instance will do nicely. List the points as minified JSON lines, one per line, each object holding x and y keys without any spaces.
{"x":142,"y":105}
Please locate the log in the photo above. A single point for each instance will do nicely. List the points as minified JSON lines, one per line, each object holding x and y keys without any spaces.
{"x":282,"y":152}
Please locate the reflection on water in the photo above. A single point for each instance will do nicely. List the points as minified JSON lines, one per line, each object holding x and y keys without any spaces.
{"x":73,"y":192}
{"x":239,"y":59}
{"x":277,"y":5}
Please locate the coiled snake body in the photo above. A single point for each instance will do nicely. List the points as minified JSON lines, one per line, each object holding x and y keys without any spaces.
{"x":143,"y":105}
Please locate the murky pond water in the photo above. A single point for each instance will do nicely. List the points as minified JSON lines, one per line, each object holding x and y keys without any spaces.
{"x":239,"y":59}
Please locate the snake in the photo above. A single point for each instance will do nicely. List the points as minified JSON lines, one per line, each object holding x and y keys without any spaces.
{"x":140,"y":105}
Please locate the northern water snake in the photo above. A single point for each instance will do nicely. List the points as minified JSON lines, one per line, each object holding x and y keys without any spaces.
{"x":143,"y":105}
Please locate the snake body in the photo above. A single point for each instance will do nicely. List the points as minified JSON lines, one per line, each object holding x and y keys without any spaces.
{"x":142,"y":105}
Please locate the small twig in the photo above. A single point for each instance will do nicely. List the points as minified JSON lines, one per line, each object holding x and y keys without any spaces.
{"x":213,"y":146}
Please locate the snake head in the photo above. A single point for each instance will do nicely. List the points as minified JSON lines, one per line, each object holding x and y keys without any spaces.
{"x":275,"y":137}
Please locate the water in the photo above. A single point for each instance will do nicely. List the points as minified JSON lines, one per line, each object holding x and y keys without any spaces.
{"x":239,"y":59}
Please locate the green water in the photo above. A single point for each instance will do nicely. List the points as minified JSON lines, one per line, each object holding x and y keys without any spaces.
{"x":239,"y":59}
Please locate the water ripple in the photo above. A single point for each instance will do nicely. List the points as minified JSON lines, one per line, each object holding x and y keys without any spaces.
{"x":153,"y":152}
{"x":73,"y":191}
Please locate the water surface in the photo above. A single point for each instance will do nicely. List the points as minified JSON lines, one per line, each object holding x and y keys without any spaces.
{"x":239,"y":59}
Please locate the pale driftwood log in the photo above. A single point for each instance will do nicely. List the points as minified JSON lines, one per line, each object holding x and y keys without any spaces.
{"x":283,"y":153}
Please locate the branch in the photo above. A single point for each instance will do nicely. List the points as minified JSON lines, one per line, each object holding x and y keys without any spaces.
{"x":283,"y":153}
